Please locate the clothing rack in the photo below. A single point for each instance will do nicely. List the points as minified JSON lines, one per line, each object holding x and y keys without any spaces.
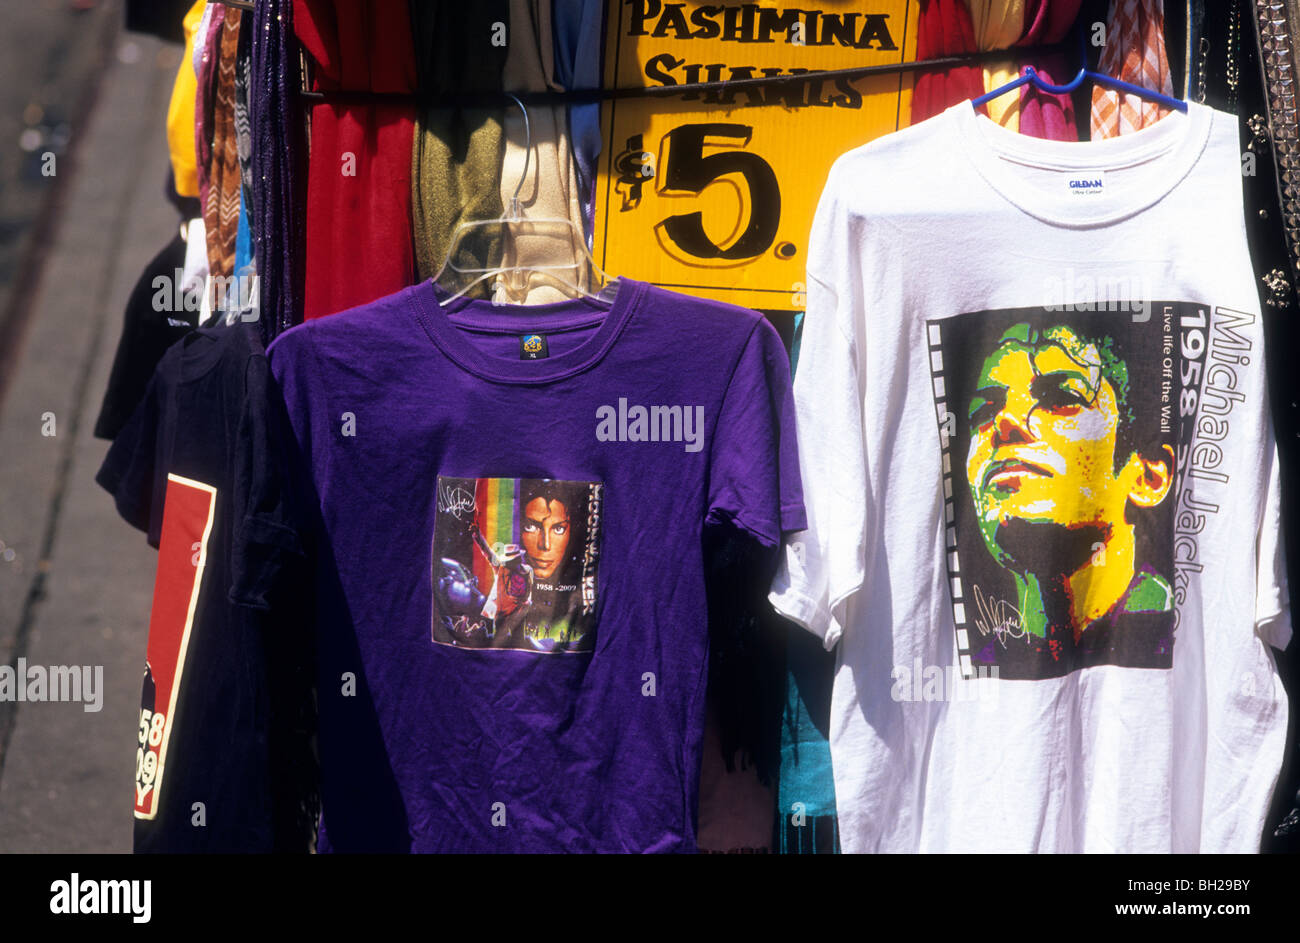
{"x":581,"y":95}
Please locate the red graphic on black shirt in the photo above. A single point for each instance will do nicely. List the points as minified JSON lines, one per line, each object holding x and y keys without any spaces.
{"x":187,"y":522}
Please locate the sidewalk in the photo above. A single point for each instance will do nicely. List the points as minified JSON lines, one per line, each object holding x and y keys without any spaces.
{"x":77,"y":590}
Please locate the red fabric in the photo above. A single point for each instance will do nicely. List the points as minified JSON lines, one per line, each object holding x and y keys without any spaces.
{"x":359,"y":238}
{"x":944,"y":28}
{"x":1042,"y":114}
{"x":1047,"y":21}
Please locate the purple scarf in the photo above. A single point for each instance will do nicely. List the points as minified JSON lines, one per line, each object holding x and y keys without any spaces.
{"x":279,"y":154}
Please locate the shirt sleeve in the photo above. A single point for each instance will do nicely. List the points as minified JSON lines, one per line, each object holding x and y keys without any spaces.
{"x":267,"y":533}
{"x":293,"y":367}
{"x":822,"y":566}
{"x":1272,"y":599}
{"x":754,"y":463}
{"x":130,"y":468}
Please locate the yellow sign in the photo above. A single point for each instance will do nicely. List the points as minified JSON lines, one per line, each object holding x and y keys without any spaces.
{"x":713,"y":193}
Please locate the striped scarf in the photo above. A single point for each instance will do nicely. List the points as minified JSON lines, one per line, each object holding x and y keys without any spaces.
{"x":221,"y":200}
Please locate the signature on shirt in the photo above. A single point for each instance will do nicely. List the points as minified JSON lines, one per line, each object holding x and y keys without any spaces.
{"x":456,"y":501}
{"x":997,"y":617}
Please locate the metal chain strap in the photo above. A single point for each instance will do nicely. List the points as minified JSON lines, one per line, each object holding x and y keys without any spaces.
{"x":1232,"y":67}
{"x":1202,"y":60}
{"x":1283,"y":125}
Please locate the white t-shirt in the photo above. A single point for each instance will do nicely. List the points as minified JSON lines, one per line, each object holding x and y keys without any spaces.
{"x":1042,"y":491}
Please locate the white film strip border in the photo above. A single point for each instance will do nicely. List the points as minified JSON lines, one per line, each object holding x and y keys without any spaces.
{"x":947,"y":424}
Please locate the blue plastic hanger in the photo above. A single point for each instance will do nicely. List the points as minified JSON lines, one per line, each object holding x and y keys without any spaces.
{"x":1030,"y":75}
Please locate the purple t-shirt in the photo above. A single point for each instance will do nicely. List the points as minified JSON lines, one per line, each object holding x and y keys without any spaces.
{"x":509,"y":501}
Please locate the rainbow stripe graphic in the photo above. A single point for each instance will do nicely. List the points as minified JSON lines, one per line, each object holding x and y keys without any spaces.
{"x":497,"y":516}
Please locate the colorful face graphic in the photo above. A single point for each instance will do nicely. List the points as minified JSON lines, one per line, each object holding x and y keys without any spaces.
{"x":545,"y":535}
{"x":1059,"y":432}
{"x":1044,"y":423}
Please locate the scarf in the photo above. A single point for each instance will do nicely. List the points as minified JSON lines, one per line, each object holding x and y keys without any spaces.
{"x":244,"y":147}
{"x":207,"y":52}
{"x":1047,"y":21}
{"x":277,"y":152}
{"x":944,"y":28}
{"x":221,"y":198}
{"x":1135,"y":53}
{"x":359,"y":244}
{"x":1044,"y":115}
{"x":998,"y":24}
{"x":456,"y":154}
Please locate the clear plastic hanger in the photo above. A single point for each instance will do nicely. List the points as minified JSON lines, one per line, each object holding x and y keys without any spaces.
{"x":514,"y":220}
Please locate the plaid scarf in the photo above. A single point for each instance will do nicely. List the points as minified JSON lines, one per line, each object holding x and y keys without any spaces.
{"x":1135,"y":53}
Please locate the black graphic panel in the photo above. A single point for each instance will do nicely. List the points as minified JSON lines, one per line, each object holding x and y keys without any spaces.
{"x":1063,"y":433}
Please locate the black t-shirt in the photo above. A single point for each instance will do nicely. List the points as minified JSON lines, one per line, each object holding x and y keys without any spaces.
{"x":223,"y":763}
{"x":161,"y":18}
{"x":156,"y":317}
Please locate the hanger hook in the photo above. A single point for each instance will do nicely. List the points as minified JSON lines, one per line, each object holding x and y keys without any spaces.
{"x":528,"y":155}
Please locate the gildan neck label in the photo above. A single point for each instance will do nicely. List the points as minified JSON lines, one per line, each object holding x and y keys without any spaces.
{"x":1091,"y":183}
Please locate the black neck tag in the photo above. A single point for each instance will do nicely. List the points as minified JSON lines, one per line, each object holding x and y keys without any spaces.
{"x":533,"y":347}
